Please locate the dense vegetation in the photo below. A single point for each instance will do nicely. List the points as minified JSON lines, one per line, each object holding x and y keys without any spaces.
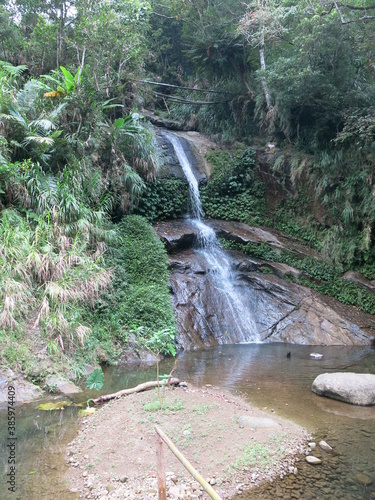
{"x":76,"y":156}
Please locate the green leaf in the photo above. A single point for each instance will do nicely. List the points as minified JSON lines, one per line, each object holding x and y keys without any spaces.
{"x":119,"y":122}
{"x":95,"y":380}
{"x":171,"y":349}
{"x":69,"y":79}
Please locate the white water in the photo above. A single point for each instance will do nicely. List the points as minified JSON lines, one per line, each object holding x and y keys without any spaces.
{"x":219,"y":264}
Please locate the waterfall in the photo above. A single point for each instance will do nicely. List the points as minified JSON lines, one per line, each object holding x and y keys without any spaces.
{"x":218,"y":262}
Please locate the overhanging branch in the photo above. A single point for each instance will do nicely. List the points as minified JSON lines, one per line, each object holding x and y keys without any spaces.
{"x":187,"y":101}
{"x":185,"y":88}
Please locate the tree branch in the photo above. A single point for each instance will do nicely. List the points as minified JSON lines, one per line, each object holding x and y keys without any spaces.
{"x":183,"y":88}
{"x":187,"y":101}
{"x":355,"y":7}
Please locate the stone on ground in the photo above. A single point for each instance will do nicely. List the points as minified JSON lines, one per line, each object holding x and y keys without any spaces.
{"x":353,"y":388}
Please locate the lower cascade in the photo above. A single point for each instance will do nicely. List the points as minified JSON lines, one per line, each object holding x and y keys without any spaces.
{"x":233,"y":305}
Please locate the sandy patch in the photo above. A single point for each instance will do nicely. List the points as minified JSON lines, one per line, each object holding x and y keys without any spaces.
{"x":232,"y":444}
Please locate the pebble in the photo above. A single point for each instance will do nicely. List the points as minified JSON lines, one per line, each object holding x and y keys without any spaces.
{"x":312,"y":445}
{"x":325,"y":446}
{"x":313,"y":460}
{"x":364,"y":479}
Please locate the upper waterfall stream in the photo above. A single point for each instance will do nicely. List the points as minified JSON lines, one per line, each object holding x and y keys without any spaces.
{"x":237,"y":310}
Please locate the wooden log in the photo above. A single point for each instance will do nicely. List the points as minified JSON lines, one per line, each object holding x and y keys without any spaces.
{"x":207,"y":487}
{"x":162,"y":482}
{"x":138,"y":388}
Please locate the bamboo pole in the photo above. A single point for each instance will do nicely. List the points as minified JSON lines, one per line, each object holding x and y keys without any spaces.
{"x":162,"y":485}
{"x":207,"y":487}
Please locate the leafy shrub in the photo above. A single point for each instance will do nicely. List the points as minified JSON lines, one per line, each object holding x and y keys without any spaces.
{"x":162,"y":200}
{"x":234,"y":192}
{"x":139,"y":300}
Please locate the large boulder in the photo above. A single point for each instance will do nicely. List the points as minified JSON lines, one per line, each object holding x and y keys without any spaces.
{"x":353,"y":388}
{"x":25,"y":391}
{"x":179,"y":235}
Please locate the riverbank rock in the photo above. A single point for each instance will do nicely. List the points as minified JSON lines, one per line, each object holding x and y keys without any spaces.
{"x":61,"y":385}
{"x":353,"y":388}
{"x":25,"y":391}
{"x":325,"y":446}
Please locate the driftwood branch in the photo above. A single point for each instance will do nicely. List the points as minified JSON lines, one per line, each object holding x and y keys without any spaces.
{"x":138,"y":388}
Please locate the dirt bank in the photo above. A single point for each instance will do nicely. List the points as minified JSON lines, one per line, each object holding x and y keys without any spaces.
{"x":232,"y":444}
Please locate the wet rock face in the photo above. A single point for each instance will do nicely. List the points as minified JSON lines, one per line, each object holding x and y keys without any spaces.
{"x":179,"y":235}
{"x":354,"y":388}
{"x":282,"y":311}
{"x":242,"y":233}
{"x":171,"y":168}
{"x":359,"y":279}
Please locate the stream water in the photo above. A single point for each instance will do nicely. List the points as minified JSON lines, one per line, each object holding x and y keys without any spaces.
{"x":267,"y":378}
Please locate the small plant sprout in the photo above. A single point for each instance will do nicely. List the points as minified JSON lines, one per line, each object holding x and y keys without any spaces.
{"x":162,"y":342}
{"x":94,"y":382}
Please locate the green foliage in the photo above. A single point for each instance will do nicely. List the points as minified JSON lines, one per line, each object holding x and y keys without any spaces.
{"x":161,"y":342}
{"x":70,"y":80}
{"x":95,"y":380}
{"x":64,"y":168}
{"x":164,"y":405}
{"x":162,"y":200}
{"x":138,"y":304}
{"x":234,"y":192}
